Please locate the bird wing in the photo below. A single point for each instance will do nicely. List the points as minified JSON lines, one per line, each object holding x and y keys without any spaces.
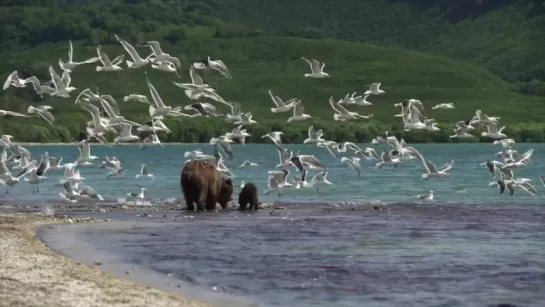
{"x":128,"y":47}
{"x":195,"y":78}
{"x":155,"y":47}
{"x":447,"y":166}
{"x":219,"y":66}
{"x":103,"y":57}
{"x":431,"y":167}
{"x":66,"y":78}
{"x":70,"y":50}
{"x":316,"y":65}
{"x":154,"y":95}
{"x":309,"y":63}
{"x":492,"y":127}
{"x":10,"y":78}
{"x":57,"y":82}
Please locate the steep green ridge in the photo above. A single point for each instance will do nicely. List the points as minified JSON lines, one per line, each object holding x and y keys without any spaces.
{"x":35,"y":37}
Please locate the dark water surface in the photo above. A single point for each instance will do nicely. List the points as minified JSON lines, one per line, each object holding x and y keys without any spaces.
{"x":402,"y":256}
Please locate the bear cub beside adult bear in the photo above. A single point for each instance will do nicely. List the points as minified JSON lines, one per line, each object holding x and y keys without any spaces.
{"x":248,"y":196}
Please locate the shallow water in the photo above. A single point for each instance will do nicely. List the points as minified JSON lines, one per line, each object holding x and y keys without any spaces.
{"x":406,"y":256}
{"x":466,"y":184}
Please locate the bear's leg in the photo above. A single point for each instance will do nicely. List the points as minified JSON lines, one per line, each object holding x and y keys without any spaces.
{"x":252,"y":205}
{"x":256,"y":204}
{"x":242,"y":206}
{"x":189,"y":203}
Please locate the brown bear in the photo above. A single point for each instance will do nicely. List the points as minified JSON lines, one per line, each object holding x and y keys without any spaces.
{"x":248,"y":195}
{"x":226,"y":193}
{"x":201,"y":184}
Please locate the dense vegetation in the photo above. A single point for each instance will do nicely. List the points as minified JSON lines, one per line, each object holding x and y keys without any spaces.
{"x":34,"y":36}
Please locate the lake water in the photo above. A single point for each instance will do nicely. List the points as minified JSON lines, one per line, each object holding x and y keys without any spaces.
{"x":466,"y":184}
{"x":469,"y":247}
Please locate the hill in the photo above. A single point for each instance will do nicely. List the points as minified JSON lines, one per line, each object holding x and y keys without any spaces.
{"x":258,"y":62}
{"x":506,"y":36}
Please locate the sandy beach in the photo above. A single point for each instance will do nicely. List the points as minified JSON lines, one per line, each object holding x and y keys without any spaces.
{"x":33,"y":275}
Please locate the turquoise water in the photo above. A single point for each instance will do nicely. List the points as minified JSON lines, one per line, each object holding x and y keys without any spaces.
{"x":466,"y":184}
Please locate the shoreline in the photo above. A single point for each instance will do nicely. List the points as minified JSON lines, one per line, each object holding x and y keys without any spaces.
{"x":31,"y":274}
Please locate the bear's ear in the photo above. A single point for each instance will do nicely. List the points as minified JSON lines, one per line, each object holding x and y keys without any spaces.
{"x":228,"y":181}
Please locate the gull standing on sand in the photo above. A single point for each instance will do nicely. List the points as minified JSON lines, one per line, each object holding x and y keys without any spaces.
{"x":374,"y":89}
{"x":317,"y":69}
{"x":444,"y":106}
{"x":298,"y":113}
{"x":144,"y":172}
{"x":70,"y":64}
{"x":281,"y":106}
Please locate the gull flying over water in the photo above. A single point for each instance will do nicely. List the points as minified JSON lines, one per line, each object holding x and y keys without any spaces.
{"x":429,"y":196}
{"x":41,"y":112}
{"x":159,"y":55}
{"x":353,"y":163}
{"x":493,"y":132}
{"x":386,"y":159}
{"x":144,"y":172}
{"x":247,"y":164}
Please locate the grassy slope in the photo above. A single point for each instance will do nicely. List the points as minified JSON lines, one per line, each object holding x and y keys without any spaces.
{"x":261,"y":63}
{"x":507,"y":40}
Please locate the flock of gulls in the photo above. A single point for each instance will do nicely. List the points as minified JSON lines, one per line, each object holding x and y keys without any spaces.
{"x":106,"y":117}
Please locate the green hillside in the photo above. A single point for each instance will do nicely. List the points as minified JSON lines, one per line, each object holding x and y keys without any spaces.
{"x":258,"y":62}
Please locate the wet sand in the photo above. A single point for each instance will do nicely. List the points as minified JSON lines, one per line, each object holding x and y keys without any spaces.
{"x":33,"y":275}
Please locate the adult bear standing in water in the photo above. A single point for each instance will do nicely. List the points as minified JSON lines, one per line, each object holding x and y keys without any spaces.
{"x":248,"y":196}
{"x":203,"y":184}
